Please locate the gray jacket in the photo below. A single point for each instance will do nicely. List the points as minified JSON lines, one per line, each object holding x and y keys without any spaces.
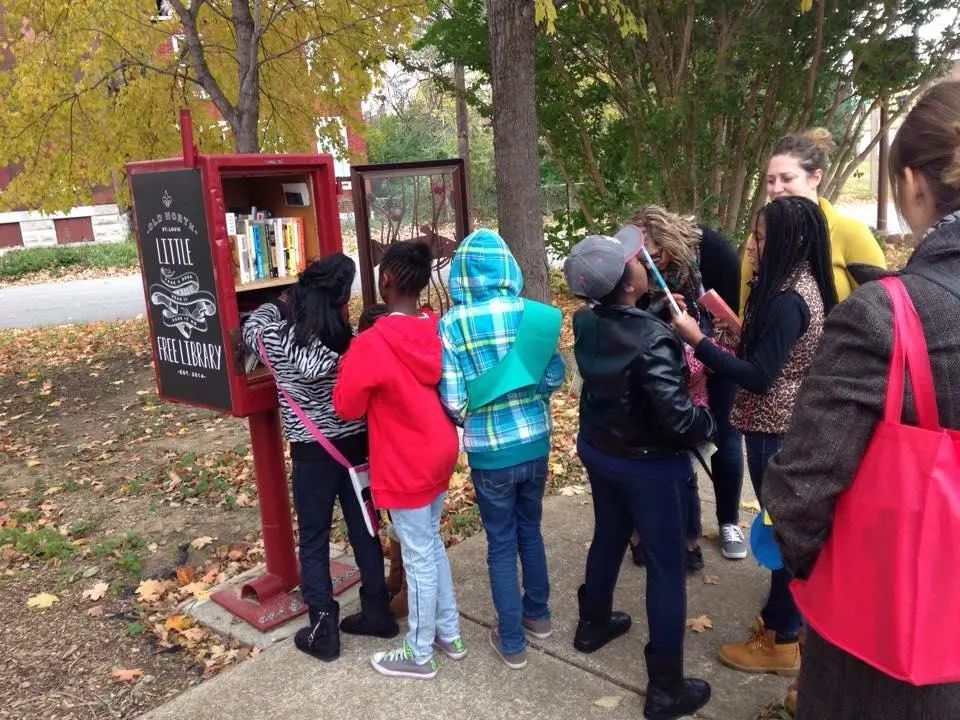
{"x":838,"y":408}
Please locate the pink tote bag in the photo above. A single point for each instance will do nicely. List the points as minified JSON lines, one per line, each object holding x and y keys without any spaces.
{"x":886,"y":586}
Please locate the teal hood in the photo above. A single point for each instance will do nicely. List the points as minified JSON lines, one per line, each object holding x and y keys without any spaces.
{"x":483,"y":268}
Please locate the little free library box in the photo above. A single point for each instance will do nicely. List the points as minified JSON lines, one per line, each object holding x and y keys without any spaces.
{"x":218,"y":235}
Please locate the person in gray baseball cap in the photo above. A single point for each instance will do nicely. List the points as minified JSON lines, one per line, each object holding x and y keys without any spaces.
{"x":598,"y":262}
{"x":637,"y":424}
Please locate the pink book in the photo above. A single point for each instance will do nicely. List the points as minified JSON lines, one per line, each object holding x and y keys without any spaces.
{"x":715,"y":305}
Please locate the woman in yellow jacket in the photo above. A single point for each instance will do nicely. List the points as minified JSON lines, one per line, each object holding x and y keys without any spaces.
{"x":796,"y":168}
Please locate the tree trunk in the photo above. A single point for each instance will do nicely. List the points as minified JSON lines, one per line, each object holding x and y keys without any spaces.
{"x":246,"y":119}
{"x":463,"y":126}
{"x":513,"y":36}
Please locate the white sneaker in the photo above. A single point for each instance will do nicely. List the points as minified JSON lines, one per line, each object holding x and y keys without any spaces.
{"x":733,"y":546}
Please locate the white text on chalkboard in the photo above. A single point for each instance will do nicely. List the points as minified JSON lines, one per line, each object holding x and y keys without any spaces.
{"x":190,"y":353}
{"x":174,"y":251}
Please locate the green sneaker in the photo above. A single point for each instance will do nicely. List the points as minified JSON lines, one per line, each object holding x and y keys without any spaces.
{"x":400,"y":663}
{"x":453,"y":649}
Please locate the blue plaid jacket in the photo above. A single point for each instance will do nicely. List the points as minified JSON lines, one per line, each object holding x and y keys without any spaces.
{"x":485,"y":284}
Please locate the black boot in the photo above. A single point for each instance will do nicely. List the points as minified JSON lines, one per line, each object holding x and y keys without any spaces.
{"x":669,"y":694}
{"x":322,"y":638}
{"x":599,"y":624}
{"x":374,"y":617}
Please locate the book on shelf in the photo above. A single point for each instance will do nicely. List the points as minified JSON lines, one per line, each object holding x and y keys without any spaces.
{"x":266,"y":247}
{"x":280,"y":254}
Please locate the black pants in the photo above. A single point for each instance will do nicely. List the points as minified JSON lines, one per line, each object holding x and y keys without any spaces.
{"x":317,"y":483}
{"x":726,"y":465}
{"x":648,"y":495}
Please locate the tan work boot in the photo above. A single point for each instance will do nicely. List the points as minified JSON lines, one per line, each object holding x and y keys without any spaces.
{"x":395,"y":577}
{"x":760,"y":653}
{"x":398,"y":604}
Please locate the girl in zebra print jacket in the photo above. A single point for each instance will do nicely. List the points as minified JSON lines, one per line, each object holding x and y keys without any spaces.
{"x":304,"y":333}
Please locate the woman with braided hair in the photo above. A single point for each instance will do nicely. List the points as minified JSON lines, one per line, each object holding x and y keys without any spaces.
{"x":302,"y":335}
{"x":791,"y":295}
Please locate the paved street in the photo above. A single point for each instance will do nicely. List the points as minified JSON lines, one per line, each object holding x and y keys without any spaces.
{"x":74,"y":301}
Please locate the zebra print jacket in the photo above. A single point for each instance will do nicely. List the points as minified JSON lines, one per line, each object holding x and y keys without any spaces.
{"x":307,"y":373}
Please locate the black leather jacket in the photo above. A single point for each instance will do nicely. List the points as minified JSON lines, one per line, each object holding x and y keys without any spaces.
{"x":634,"y":402}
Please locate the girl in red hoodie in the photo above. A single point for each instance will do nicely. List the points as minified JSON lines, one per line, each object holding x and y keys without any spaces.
{"x":390,"y":374}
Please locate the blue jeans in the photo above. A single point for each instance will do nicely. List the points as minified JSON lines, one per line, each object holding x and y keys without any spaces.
{"x":726,"y":465}
{"x":432,"y":606}
{"x":511,"y":507}
{"x":316,"y":485}
{"x":780,"y":613}
{"x":651,"y":496}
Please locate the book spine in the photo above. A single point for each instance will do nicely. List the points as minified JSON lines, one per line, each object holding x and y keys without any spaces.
{"x":289,"y":247}
{"x":281,"y":255}
{"x":301,"y":243}
{"x":243,"y":256}
{"x":235,"y":258}
{"x":261,"y":250}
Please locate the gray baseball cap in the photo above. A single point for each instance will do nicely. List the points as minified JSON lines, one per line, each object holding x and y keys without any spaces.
{"x":595,"y":264}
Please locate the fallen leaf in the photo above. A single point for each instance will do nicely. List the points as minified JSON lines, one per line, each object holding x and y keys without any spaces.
{"x":96,"y":592}
{"x":95,"y":612}
{"x":42,"y":601}
{"x":199,"y":590}
{"x":177,"y":622}
{"x":201,"y":542}
{"x":33,"y":462}
{"x":244,"y":500}
{"x":751,"y":505}
{"x":711,"y":579}
{"x":608,"y":701}
{"x":194,"y":635}
{"x":127,"y":676}
{"x":699,"y":624}
{"x":174,"y":481}
{"x":150,"y":590}
{"x":185,"y":574}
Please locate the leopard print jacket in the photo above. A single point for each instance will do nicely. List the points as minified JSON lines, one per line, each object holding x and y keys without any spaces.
{"x":771,"y":412}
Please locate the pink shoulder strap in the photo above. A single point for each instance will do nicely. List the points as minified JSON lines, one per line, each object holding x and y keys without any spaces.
{"x":909,"y":354}
{"x":298,"y":411}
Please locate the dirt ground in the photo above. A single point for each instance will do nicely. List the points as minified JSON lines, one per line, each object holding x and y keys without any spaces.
{"x":112,"y":503}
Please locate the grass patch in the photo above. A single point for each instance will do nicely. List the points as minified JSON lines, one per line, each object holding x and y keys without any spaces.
{"x":15,"y":264}
{"x":126,"y":551}
{"x":43,"y":543}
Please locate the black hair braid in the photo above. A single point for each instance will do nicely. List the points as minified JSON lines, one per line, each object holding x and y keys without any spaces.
{"x":317,"y":302}
{"x":796,"y":233}
{"x":410,"y":264}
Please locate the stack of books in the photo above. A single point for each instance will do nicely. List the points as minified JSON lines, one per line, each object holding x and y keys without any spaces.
{"x":265,"y":247}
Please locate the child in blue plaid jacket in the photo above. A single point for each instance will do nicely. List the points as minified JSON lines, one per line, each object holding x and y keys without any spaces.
{"x":507,"y":436}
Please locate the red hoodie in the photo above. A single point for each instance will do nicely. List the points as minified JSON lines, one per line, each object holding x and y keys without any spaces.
{"x":390,"y":373}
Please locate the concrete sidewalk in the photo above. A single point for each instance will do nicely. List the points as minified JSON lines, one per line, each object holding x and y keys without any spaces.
{"x":558,"y":683}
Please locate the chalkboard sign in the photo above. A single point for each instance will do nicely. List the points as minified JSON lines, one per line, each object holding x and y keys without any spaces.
{"x":181,"y":296}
